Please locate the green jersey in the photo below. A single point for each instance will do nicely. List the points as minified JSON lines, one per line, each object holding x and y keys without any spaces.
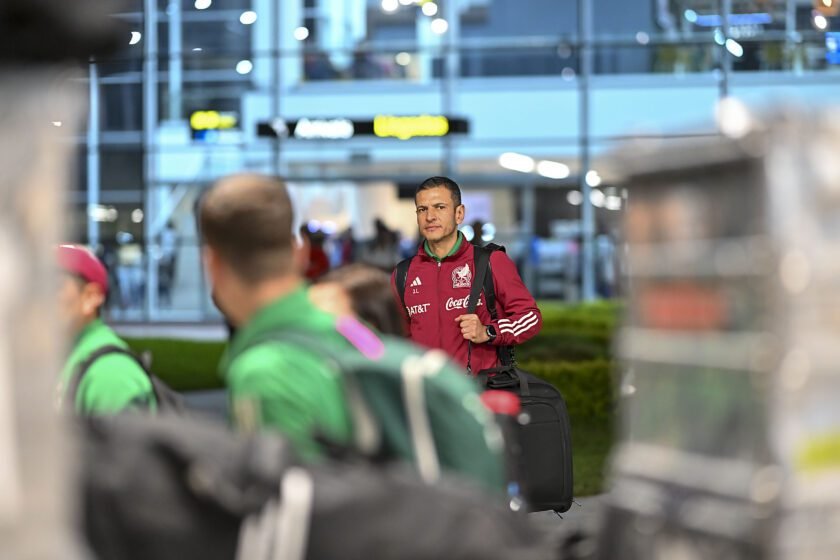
{"x":113,"y":383}
{"x":277,"y":385}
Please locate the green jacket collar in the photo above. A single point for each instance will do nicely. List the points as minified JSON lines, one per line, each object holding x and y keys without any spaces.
{"x":94,"y":334}
{"x":282,"y":313}
{"x":451,"y":251}
{"x":89,"y":329}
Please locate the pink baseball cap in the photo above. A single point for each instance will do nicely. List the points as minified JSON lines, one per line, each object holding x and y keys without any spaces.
{"x":79,"y":260}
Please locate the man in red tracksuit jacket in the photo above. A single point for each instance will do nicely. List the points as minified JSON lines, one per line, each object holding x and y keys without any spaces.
{"x":437,"y":286}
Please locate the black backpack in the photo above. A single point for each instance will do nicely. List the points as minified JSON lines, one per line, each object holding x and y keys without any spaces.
{"x":168,"y":400}
{"x":173,"y":488}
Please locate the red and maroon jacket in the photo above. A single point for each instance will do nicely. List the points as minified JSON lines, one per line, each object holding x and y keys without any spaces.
{"x":436,"y":292}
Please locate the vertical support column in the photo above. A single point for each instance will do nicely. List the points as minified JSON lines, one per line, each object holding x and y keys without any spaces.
{"x":452,"y":56}
{"x":726,"y":57}
{"x":587,"y":209}
{"x":529,"y":220}
{"x":150,"y":127}
{"x":426,"y":44}
{"x":93,"y":168}
{"x":175,"y":85}
{"x":262,"y":45}
{"x":289,"y":62}
{"x":334,"y":30}
{"x":792,"y":35}
{"x":291,"y":50}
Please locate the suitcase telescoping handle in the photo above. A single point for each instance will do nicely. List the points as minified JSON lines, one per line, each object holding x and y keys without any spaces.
{"x":504,"y":377}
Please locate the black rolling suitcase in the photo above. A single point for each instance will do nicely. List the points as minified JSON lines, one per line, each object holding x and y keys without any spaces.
{"x":543,"y":452}
{"x":544,"y":448}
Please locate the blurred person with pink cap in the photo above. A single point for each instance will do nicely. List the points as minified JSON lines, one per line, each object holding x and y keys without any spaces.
{"x":101,"y":375}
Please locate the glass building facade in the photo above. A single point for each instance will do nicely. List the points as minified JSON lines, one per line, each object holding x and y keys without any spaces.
{"x":354,"y":102}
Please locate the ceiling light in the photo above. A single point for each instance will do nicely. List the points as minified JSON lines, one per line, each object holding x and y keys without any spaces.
{"x":439,"y":26}
{"x":735,"y":48}
{"x":597,"y":198}
{"x":820,"y":22}
{"x":516,"y":162}
{"x":575,"y":198}
{"x":553,"y":169}
{"x":244,"y":67}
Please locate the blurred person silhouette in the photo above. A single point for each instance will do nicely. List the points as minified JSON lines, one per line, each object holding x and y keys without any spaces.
{"x":368,"y":66}
{"x":318,"y":263}
{"x":478,"y":232}
{"x":167,"y":262}
{"x":99,"y":375}
{"x":346,"y":247}
{"x":383,"y":251}
{"x":317,"y":66}
{"x":130,"y":273}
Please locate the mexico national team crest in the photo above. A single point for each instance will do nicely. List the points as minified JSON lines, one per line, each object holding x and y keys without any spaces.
{"x":462,"y":277}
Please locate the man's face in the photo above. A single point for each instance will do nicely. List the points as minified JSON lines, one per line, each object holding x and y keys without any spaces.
{"x":78,"y":303}
{"x":437,"y":215}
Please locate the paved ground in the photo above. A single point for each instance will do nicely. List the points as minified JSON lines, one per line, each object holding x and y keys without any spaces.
{"x":213,"y":403}
{"x":584,"y":513}
{"x":189,"y":331}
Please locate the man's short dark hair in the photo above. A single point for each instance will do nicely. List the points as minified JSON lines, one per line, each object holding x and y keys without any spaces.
{"x":445,"y":182}
{"x":247,"y":220}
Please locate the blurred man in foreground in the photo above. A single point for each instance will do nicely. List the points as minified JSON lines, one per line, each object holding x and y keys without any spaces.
{"x":253,"y":264}
{"x":100,"y":375}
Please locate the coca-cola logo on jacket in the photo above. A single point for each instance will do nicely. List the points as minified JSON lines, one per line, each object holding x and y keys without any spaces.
{"x":460,"y":303}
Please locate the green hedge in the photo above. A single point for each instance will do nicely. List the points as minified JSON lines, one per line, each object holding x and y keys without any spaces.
{"x":581,"y":332}
{"x":570,"y":333}
{"x":185,"y":365}
{"x":587,"y":387}
{"x":189,"y":365}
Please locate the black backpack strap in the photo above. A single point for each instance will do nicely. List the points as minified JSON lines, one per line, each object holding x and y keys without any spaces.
{"x":484,"y":280}
{"x":400,"y":278}
{"x":481,"y":260}
{"x":83,"y":367}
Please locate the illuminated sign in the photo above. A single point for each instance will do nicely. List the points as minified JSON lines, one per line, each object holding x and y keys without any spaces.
{"x":402,"y":127}
{"x":832,"y":47}
{"x":212,"y":120}
{"x":325,"y":129}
